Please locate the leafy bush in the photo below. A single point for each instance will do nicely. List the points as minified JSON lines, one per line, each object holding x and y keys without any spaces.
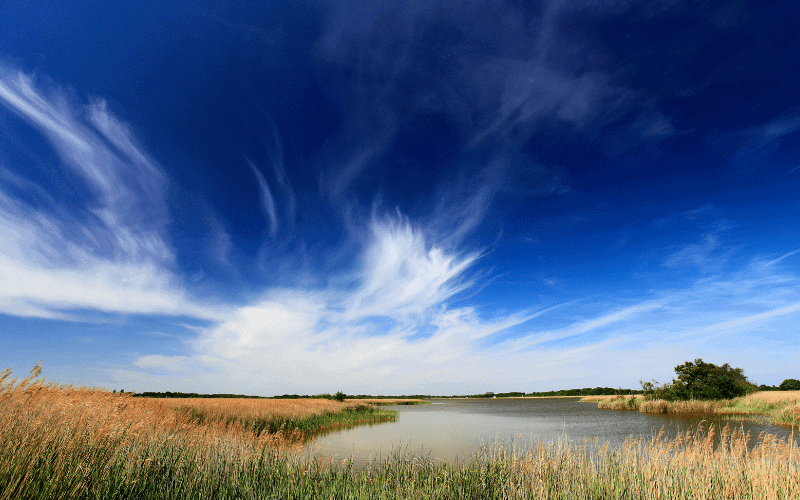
{"x":703,"y":381}
{"x":339,"y":396}
{"x":790,"y":384}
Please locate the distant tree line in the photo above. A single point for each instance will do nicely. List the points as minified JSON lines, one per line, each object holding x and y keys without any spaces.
{"x":587,"y":391}
{"x":409,"y":396}
{"x":339,"y":396}
{"x":790,"y":384}
{"x":695,"y":380}
{"x":169,"y":394}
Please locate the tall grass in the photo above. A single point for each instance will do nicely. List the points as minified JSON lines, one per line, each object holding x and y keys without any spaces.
{"x":779,"y":407}
{"x":620,"y":402}
{"x":66,"y":442}
{"x":693,"y":406}
{"x":299,"y":418}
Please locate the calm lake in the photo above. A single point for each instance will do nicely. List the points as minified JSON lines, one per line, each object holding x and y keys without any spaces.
{"x":454,"y":430}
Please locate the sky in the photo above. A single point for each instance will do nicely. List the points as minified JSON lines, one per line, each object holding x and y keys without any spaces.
{"x":398,"y":197}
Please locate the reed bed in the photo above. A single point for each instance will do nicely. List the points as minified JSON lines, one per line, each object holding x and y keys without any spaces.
{"x":776,"y":407}
{"x":65,"y":442}
{"x":693,"y":406}
{"x":297,"y":417}
{"x":637,"y":402}
{"x":69,"y":438}
{"x":619,"y":402}
{"x":781,"y":406}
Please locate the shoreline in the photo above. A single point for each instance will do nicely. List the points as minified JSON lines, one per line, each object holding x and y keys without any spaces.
{"x":779,"y":407}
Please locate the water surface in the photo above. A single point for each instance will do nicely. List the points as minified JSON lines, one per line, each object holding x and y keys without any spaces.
{"x":455,"y":429}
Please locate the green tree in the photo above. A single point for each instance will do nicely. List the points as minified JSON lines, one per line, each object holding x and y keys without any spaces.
{"x":339,"y":396}
{"x":651,"y":390}
{"x":790,"y":384}
{"x":701,"y":380}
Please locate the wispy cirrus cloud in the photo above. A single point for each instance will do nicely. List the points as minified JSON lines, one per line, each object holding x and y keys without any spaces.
{"x":294,"y":339}
{"x":390,"y":320}
{"x":760,"y":141}
{"x":111,"y":254}
{"x":578,"y":328}
{"x":699,"y":254}
{"x":391,"y":323}
{"x":402,"y":275}
{"x":107,"y":254}
{"x":784,"y":256}
{"x":267,"y":202}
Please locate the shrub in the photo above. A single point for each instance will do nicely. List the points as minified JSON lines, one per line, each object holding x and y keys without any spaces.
{"x":790,"y":384}
{"x":339,"y":396}
{"x":701,"y":380}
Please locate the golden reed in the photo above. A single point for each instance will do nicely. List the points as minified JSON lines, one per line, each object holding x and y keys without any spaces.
{"x":60,"y":441}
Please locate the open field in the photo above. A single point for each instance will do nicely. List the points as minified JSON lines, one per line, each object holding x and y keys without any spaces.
{"x":779,"y":407}
{"x":67,"y":442}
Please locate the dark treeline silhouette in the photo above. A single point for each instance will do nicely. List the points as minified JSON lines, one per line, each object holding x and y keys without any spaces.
{"x":790,"y":384}
{"x":340,"y":396}
{"x":169,"y":394}
{"x":587,"y":391}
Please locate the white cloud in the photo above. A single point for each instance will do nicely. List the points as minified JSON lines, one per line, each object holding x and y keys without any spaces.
{"x":267,"y":202}
{"x":391,"y":324}
{"x":402,"y":276}
{"x":393,"y":329}
{"x":577,"y":328}
{"x":109,"y":256}
{"x":745,"y":321}
{"x":282,"y":179}
{"x":788,"y":254}
{"x":533,"y":93}
{"x":708,"y":255}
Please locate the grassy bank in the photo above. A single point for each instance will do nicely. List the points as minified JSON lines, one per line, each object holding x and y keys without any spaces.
{"x":778,"y":407}
{"x":65,"y":442}
{"x":298,"y":418}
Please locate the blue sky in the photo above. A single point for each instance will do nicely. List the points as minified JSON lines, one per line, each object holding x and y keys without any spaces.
{"x":375,"y":197}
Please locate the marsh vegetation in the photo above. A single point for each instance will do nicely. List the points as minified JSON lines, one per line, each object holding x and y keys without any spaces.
{"x":775,"y":407}
{"x":702,"y":387}
{"x":72,"y":442}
